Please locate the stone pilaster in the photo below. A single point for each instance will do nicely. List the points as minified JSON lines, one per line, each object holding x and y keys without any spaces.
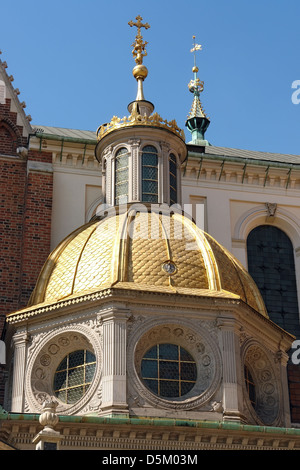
{"x":20,"y":341}
{"x":134,"y":190}
{"x":232,"y":390}
{"x":114,"y":397}
{"x":282,"y":357}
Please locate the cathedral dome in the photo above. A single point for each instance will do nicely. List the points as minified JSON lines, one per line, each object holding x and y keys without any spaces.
{"x":145,"y":251}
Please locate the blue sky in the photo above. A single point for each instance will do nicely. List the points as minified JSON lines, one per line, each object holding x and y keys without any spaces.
{"x":72,"y":62}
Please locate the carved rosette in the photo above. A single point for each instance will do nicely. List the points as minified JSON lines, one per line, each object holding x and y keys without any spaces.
{"x":198,"y":341}
{"x":46,"y":353}
{"x":260,"y":363}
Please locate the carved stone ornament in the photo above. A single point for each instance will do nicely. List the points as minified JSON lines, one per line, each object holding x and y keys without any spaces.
{"x":271,"y":209}
{"x":266,"y":410}
{"x":49,"y":418}
{"x":43,"y":359}
{"x":194,"y":339}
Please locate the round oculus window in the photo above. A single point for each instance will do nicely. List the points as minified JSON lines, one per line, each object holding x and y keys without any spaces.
{"x":168,"y":370}
{"x":74,"y":376}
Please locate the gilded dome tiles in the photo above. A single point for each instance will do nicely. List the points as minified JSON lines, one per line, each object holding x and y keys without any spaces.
{"x":132,"y":249}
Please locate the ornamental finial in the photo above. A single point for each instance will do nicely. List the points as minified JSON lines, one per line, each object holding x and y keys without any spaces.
{"x":197,"y":47}
{"x":196,"y":86}
{"x":197,"y":121}
{"x":140,"y":71}
{"x":139,"y":46}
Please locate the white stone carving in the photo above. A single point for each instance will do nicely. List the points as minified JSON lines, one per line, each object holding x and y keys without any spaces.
{"x":260,"y":363}
{"x":192,"y":337}
{"x":47,"y":351}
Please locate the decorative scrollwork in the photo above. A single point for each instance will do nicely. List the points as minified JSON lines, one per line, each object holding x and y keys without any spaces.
{"x":136,"y":119}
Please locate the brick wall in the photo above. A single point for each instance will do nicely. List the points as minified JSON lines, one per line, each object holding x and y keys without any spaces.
{"x":25,"y":219}
{"x":36,"y":228}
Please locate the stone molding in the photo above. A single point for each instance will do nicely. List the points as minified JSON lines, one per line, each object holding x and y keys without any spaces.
{"x":168,"y":435}
{"x":200,"y":341}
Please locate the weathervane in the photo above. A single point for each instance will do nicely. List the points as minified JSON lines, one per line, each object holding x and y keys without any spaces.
{"x":197,"y":47}
{"x":139,"y":50}
{"x":197,"y":121}
{"x":196,"y":86}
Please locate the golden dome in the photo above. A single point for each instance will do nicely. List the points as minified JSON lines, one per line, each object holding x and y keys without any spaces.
{"x":144,"y":251}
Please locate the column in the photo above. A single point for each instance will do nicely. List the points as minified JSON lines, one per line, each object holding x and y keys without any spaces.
{"x":232,"y":391}
{"x":282,"y":358}
{"x":135,"y":175}
{"x":20,"y":341}
{"x":114,"y":396}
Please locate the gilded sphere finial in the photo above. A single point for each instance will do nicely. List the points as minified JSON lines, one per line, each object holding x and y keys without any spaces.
{"x":140,"y":72}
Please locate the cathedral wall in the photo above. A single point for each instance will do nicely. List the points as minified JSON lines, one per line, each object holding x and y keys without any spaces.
{"x":235,"y":203}
{"x":233,"y":210}
{"x":76,"y":196}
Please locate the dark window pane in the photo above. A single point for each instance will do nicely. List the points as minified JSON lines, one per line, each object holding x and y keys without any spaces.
{"x":149,"y":174}
{"x":168,"y":351}
{"x":271,"y":264}
{"x":149,"y":159}
{"x":63,"y":365}
{"x":150,"y":187}
{"x":149,"y":149}
{"x":185,"y":356}
{"x":153,"y":385}
{"x":152,"y":353}
{"x":169,"y":373}
{"x":149,"y":368}
{"x":173,"y":179}
{"x":186,"y":387}
{"x":169,"y":370}
{"x":90,"y":357}
{"x":169,"y":389}
{"x":76,"y":358}
{"x":188,"y":371}
{"x":150,"y":197}
{"x":60,"y":380}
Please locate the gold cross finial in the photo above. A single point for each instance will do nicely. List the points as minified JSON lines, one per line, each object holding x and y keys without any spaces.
{"x":139,"y":25}
{"x":139,"y":46}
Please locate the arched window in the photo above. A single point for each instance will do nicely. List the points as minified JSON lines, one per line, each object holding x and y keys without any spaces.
{"x":271,"y":264}
{"x":121,"y":176}
{"x":173,"y":179}
{"x":149,"y":174}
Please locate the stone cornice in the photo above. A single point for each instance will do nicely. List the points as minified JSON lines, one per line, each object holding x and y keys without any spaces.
{"x":266,"y":174}
{"x":210,"y":303}
{"x":141,"y":433}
